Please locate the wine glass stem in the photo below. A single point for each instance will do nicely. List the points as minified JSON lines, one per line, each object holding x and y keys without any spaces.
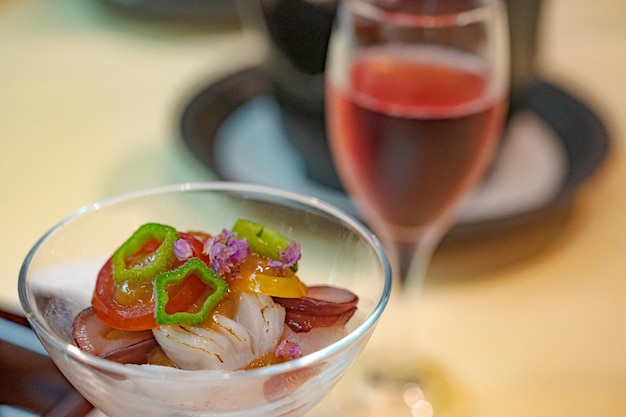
{"x":413,"y":257}
{"x":406,"y":252}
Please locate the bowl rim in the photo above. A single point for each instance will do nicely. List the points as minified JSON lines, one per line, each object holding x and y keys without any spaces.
{"x":75,"y":353}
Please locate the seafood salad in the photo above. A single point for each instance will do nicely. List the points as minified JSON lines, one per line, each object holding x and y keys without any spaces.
{"x":194,"y":300}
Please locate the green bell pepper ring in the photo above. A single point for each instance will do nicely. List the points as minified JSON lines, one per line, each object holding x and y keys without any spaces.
{"x":207,"y":275}
{"x":161,"y":260}
{"x":262,"y":240}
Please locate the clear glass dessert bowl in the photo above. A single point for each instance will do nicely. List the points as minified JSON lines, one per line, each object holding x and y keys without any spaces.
{"x":58,"y":275}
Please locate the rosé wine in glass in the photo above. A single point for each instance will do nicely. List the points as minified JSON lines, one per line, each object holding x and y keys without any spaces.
{"x":415,"y":131}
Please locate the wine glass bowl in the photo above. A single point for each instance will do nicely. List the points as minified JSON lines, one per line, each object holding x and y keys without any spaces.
{"x":416,"y":97}
{"x":58,"y":275}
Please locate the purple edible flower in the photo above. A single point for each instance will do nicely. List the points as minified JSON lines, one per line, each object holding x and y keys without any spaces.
{"x":289,"y":257}
{"x":238,"y":248}
{"x":224,"y":250}
{"x":218,"y":255}
{"x":182,"y":250}
{"x":288,"y":349}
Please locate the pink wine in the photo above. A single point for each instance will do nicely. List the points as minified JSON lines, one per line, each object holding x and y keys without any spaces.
{"x":413,"y":131}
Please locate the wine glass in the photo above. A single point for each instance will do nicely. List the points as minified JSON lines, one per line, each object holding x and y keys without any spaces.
{"x":57,"y":279}
{"x":416,"y":96}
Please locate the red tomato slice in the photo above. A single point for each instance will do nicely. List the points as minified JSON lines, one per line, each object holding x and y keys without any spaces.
{"x":138,"y":316}
{"x":186,"y":296}
{"x":141,"y":316}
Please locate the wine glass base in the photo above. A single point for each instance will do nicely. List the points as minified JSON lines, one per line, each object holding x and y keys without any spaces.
{"x":393,"y":388}
{"x":393,"y":377}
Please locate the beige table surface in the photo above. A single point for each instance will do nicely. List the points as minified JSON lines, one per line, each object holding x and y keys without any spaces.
{"x":528,"y":324}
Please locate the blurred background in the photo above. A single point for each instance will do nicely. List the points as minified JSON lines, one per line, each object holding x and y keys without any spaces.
{"x":524,"y":304}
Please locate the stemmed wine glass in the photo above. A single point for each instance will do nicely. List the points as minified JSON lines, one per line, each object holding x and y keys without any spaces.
{"x":58,"y":276}
{"x":416,"y":95}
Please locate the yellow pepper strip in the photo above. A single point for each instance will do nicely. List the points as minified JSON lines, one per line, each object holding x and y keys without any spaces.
{"x":274,"y":286}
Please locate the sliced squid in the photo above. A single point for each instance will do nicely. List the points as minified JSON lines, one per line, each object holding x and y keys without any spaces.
{"x":227,"y":343}
{"x":264,"y":319}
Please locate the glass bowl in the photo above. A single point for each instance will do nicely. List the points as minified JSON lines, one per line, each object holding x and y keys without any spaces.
{"x":58,"y":275}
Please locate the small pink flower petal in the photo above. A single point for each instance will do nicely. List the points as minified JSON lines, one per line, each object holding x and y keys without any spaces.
{"x":182,"y":250}
{"x":288,"y":350}
{"x":289,"y":257}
